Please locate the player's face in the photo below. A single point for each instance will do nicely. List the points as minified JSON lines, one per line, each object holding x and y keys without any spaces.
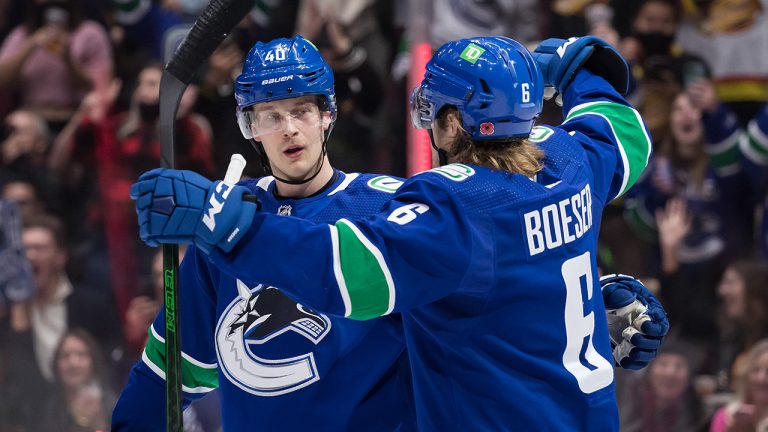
{"x":74,"y":362}
{"x":291,"y":131}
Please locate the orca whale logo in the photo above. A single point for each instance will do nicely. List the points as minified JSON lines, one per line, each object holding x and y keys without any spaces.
{"x":256,"y":316}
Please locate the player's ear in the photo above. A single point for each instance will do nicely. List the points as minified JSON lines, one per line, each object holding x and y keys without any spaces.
{"x":326,"y":116}
{"x":452,"y":124}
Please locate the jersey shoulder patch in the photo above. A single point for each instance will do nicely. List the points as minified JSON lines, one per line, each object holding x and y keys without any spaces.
{"x":454,"y":172}
{"x":540,"y":133}
{"x":385,"y":183}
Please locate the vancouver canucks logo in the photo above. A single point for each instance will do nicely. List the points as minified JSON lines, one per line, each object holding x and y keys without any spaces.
{"x":259,"y":315}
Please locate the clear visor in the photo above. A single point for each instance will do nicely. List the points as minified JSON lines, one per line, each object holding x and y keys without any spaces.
{"x":422,"y":111}
{"x":261,"y":121}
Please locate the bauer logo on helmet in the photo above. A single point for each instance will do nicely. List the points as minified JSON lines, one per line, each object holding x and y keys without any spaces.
{"x":277,"y":80}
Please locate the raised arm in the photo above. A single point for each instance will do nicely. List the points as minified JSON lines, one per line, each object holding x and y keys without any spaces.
{"x":592,"y":78}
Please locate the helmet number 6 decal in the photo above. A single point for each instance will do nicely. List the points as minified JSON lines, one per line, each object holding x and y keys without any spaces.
{"x":526,"y":96}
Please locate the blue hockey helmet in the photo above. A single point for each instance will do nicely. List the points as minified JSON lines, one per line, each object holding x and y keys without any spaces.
{"x":282,"y":69}
{"x":492,"y":81}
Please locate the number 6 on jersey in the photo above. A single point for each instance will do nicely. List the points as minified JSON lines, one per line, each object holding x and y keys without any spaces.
{"x":591,"y":370}
{"x":407,"y":213}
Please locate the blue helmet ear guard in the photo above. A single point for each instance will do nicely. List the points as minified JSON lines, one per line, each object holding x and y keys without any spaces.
{"x":282,"y":69}
{"x":493,"y":82}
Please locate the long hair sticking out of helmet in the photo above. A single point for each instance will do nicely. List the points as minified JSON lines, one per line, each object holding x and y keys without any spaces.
{"x":495,"y":88}
{"x":284,"y":69}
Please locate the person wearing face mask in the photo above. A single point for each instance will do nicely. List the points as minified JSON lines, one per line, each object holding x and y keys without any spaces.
{"x":659,"y":66}
{"x":101,"y":151}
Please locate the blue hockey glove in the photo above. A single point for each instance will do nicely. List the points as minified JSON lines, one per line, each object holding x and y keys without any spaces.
{"x":636,"y":320}
{"x":560,"y":59}
{"x":183,"y":207}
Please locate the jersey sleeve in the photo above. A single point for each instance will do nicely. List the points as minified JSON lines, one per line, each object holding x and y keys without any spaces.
{"x":754,"y":148}
{"x":142,"y":403}
{"x":722,"y":135}
{"x":733,"y":149}
{"x":415,"y":251}
{"x":611,"y":132}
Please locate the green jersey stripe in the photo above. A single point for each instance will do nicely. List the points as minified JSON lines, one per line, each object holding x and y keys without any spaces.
{"x":197,"y":377}
{"x":725,"y":159}
{"x":338,"y":273}
{"x":752,"y":148}
{"x":364,"y":280}
{"x":748,"y":148}
{"x":723,"y":146}
{"x":630,"y":134}
{"x":756,"y":133}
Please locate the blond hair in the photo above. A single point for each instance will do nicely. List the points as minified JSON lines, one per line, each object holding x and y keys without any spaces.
{"x":515,"y":155}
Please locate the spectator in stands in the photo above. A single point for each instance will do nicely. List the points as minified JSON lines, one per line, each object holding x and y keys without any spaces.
{"x":742,"y":149}
{"x":217,"y":90}
{"x":24,"y":142}
{"x":749,"y":411}
{"x":56,"y":307}
{"x":109,"y":149}
{"x":689,"y":206}
{"x":139,"y":28}
{"x":661,"y":397}
{"x":16,"y":288}
{"x":743,"y":318}
{"x":17,"y":284}
{"x":24,"y":146}
{"x":359,"y":91}
{"x":24,"y":194}
{"x":54,"y":59}
{"x":81,"y":400}
{"x":730,"y":35}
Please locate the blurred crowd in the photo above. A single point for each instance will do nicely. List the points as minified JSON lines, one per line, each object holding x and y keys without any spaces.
{"x":79,"y":103}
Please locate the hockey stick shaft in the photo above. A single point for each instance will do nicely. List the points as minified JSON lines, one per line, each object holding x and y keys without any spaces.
{"x":218,"y":19}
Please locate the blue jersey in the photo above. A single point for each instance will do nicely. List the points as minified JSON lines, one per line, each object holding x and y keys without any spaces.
{"x":733,"y":149}
{"x":494,"y":274}
{"x":279,"y":365}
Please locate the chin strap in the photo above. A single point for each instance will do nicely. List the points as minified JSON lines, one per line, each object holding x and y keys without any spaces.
{"x":442,"y":155}
{"x":268,"y":169}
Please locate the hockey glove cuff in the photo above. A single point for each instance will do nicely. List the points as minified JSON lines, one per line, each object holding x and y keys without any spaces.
{"x":560,"y":60}
{"x":182,"y":207}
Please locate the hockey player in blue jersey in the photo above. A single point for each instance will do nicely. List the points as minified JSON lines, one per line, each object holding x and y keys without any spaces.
{"x":281,"y":366}
{"x":493,"y":268}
